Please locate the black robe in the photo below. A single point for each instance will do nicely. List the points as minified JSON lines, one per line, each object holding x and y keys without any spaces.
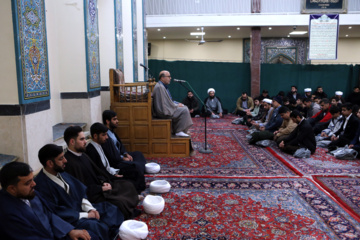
{"x":115,"y":156}
{"x":302,"y":136}
{"x":69,"y":205}
{"x":129,"y":171}
{"x":123,"y":193}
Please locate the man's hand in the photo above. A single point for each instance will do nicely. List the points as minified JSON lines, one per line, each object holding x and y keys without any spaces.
{"x":119,"y":176}
{"x":351,"y":145}
{"x":323,"y":134}
{"x":220,"y":114}
{"x":180,"y":105}
{"x":94,"y":214}
{"x":276,"y":132}
{"x":76,"y":234}
{"x":282,"y":144}
{"x":191,"y":111}
{"x":334,"y":138}
{"x":128,"y":157}
{"x":106,"y":187}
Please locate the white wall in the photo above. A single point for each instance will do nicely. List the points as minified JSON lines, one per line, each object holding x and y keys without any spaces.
{"x":71,"y":45}
{"x":106,"y":39}
{"x":8,"y":77}
{"x":127,"y":40}
{"x":229,"y":50}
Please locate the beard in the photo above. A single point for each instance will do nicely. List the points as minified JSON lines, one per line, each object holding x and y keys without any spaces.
{"x":58,"y":169}
{"x":112,"y":126}
{"x":80,"y":149}
{"x":30,"y":196}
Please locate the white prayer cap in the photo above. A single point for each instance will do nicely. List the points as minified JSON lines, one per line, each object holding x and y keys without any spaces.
{"x":152,"y":168}
{"x":153,"y":204}
{"x":211,"y":90}
{"x":339,"y":93}
{"x":307,"y":90}
{"x":160,"y":186}
{"x":269,"y":101}
{"x":133,"y":230}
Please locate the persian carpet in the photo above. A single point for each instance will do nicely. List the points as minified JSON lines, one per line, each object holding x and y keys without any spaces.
{"x":232,"y":156}
{"x":320,"y":163}
{"x":345,"y":189}
{"x":292,"y":208}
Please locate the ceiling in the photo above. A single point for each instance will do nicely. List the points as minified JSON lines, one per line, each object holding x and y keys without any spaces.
{"x":213,"y":33}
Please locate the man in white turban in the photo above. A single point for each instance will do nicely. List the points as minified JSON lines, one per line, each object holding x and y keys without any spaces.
{"x":213,"y":104}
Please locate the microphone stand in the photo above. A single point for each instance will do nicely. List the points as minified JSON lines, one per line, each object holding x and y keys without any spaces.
{"x":205,"y":149}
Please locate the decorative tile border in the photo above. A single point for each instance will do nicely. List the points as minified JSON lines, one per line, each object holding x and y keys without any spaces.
{"x":92,"y":44}
{"x":119,"y":35}
{"x":31,"y":50}
{"x":282,"y":55}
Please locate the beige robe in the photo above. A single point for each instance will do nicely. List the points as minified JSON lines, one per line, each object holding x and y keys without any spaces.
{"x":164,"y":107}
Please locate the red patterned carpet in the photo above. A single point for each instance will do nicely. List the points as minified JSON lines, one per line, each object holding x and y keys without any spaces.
{"x":242,"y":191}
{"x":249,"y":209}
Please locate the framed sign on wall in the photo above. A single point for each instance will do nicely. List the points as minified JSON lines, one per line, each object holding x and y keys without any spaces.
{"x":324,"y":6}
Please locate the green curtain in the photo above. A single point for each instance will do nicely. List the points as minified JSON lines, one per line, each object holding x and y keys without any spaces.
{"x":277,"y":77}
{"x":231,"y":79}
{"x":228,"y":79}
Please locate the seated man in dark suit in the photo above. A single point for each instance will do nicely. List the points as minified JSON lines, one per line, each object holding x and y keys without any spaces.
{"x":348,"y":129}
{"x":66,"y":196}
{"x":302,"y":136}
{"x":24,"y":214}
{"x":96,"y":153}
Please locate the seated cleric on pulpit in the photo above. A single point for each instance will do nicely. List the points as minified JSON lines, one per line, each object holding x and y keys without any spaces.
{"x":165,"y":107}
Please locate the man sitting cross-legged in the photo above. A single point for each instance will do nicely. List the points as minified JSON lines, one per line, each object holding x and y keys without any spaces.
{"x":302,"y":136}
{"x":116,"y":152}
{"x":66,"y":196}
{"x":24,"y":214}
{"x":100,"y":187}
{"x":348,"y":129}
{"x":95,"y":151}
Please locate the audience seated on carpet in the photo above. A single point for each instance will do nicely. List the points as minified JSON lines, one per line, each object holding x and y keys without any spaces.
{"x":24,"y":214}
{"x":335,"y":123}
{"x":320,"y":93}
{"x":192,"y":103}
{"x":348,"y":129}
{"x":302,"y":136}
{"x":293,"y":94}
{"x":116,"y":152}
{"x":321,"y":120}
{"x":261,"y":116}
{"x":284,"y":129}
{"x":165,"y":107}
{"x":100,"y":186}
{"x":253,"y":113}
{"x":96,"y":153}
{"x":244,"y":105}
{"x":213,"y":105}
{"x":334,"y":102}
{"x":66,"y":196}
{"x":264,"y":94}
{"x":275,"y":119}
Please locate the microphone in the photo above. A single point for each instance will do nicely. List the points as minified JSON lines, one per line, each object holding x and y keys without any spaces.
{"x":142,"y":65}
{"x":178,"y":80}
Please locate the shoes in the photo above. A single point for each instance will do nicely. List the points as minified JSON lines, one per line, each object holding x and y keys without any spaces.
{"x":182,"y":134}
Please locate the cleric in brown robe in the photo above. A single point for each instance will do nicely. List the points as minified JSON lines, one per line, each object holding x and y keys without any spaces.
{"x":165,"y":107}
{"x":100,"y":187}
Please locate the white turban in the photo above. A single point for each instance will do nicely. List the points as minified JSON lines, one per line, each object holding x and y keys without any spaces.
{"x":211,"y":90}
{"x":307,"y":90}
{"x":269,"y":101}
{"x":339,"y":93}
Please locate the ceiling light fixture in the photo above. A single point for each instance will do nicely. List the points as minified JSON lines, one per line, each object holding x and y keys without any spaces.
{"x":164,"y":37}
{"x":350,"y":27}
{"x":298,"y":32}
{"x":288,"y":36}
{"x":198,"y":29}
{"x":238,"y":28}
{"x":229,"y":36}
{"x":159,"y":29}
{"x":197,"y":33}
{"x":346,"y":35}
{"x":270,"y":28}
